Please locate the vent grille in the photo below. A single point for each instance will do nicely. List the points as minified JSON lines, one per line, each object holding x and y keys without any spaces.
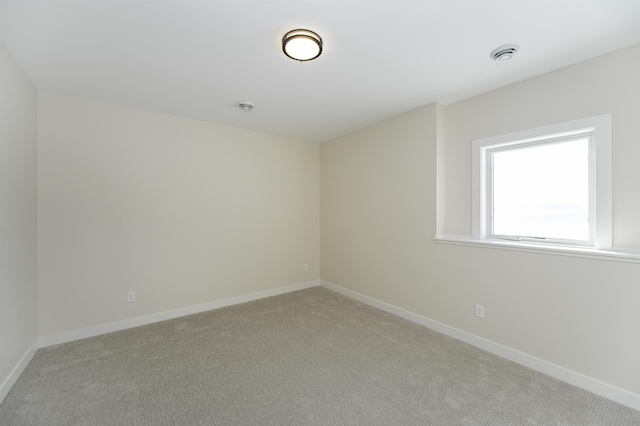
{"x":504,"y":53}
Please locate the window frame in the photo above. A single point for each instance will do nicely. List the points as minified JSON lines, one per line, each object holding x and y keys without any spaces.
{"x":598,"y":128}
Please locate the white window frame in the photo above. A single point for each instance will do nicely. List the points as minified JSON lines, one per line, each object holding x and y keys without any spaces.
{"x":598,"y":128}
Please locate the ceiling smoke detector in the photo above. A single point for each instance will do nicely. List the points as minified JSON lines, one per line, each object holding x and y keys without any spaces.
{"x":245,"y":106}
{"x":504,"y":53}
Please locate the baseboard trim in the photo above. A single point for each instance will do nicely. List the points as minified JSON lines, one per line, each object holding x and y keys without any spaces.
{"x":595,"y":386}
{"x":8,"y":383}
{"x":83,"y":333}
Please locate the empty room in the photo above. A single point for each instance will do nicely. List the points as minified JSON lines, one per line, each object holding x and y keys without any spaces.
{"x":319,"y":212}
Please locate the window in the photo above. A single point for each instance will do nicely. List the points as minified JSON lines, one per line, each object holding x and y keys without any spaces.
{"x":540,"y":191}
{"x":549,"y":185}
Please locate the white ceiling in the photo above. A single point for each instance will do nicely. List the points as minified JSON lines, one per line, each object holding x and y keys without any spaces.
{"x":198,"y":59}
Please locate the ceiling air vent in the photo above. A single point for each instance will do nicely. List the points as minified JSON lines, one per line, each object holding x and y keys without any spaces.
{"x":504,"y":53}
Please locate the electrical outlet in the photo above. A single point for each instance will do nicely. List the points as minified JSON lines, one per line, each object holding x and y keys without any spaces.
{"x":306,"y":267}
{"x":131,"y":296}
{"x":480,"y":311}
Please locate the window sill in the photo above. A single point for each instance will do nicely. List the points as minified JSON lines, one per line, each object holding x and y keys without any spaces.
{"x":614,"y":254}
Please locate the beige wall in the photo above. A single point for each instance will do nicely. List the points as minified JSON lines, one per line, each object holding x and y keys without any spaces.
{"x":578,"y":313}
{"x":180,"y":211}
{"x":18,"y":101}
{"x":378,"y":204}
{"x":377,"y":215}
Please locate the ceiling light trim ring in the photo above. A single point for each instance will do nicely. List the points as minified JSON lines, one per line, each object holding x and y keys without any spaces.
{"x":304,"y":35}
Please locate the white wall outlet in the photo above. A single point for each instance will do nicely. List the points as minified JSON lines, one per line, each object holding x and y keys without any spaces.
{"x":480,"y":311}
{"x":131,"y":296}
{"x":306,"y":267}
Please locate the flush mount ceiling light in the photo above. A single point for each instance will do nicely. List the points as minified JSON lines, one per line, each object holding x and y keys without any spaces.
{"x":245,"y":106}
{"x":504,"y":53}
{"x":302,"y":45}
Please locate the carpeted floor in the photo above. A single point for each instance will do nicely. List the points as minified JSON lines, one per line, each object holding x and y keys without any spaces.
{"x":312,"y":357}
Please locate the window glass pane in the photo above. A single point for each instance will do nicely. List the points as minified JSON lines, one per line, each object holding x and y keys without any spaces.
{"x":542,"y":190}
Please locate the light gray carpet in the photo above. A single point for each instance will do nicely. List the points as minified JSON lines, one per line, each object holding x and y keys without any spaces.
{"x":311,"y":357}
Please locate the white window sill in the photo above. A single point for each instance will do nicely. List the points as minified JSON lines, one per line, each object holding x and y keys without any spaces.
{"x":614,"y":254}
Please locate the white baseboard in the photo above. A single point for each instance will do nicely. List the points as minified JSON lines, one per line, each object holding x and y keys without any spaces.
{"x":595,"y":386}
{"x":5,"y":387}
{"x":69,"y":336}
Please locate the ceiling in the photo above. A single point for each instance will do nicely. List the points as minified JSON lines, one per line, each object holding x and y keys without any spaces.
{"x":198,"y":59}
